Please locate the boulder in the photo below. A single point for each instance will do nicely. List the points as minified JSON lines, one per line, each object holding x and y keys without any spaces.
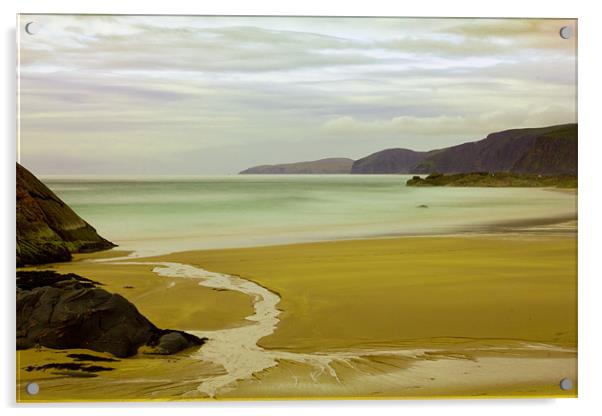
{"x":68,"y":311}
{"x":169,"y":343}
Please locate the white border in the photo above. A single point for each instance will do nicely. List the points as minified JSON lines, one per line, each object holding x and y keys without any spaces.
{"x":590,"y":155}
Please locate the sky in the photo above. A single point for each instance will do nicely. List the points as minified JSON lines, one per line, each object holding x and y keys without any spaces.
{"x":182,"y":95}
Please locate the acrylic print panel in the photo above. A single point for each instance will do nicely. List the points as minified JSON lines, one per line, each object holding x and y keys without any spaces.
{"x":221,"y":208}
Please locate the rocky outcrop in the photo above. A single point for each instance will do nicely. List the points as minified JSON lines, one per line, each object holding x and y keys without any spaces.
{"x":47,"y":229}
{"x":333,"y":165}
{"x":498,"y":179}
{"x":69,"y":311}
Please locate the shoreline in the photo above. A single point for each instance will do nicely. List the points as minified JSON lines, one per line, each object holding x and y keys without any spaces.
{"x":524,"y":227}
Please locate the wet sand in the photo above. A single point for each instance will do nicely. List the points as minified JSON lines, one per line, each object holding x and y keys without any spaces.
{"x":404,"y":317}
{"x":174,"y":303}
{"x":386,"y":291}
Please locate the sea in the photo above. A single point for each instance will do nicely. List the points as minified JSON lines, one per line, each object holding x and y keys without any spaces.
{"x":163,"y":214}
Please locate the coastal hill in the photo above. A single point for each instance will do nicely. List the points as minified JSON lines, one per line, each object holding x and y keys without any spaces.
{"x":47,"y":229}
{"x":546,"y":150}
{"x":389,"y":161}
{"x":333,"y":165}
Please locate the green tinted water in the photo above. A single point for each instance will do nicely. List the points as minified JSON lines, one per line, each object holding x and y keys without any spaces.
{"x":172,"y":214}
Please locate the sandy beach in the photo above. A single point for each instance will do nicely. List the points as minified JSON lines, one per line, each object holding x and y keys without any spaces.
{"x":479,"y":315}
{"x":295,"y":208}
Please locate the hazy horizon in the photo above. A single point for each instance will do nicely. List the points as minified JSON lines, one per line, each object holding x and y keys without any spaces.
{"x":169,"y":95}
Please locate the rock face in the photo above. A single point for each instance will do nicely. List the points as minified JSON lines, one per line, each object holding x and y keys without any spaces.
{"x":334,"y":165}
{"x":389,"y":161}
{"x":47,"y":229}
{"x":546,"y":150}
{"x":498,"y":179}
{"x":69,"y":311}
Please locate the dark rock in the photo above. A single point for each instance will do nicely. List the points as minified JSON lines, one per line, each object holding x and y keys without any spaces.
{"x":498,"y":179}
{"x":29,"y":280}
{"x":68,"y":311}
{"x":169,"y":343}
{"x":47,"y":229}
{"x":69,"y":366}
{"x":423,"y":206}
{"x":90,"y":357}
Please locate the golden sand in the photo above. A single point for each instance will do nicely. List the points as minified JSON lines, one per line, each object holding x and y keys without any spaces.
{"x":168,"y":303}
{"x":473,"y":298}
{"x":383,"y":291}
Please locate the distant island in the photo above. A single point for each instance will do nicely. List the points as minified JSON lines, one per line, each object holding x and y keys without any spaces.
{"x":333,"y":165}
{"x":548,"y":150}
{"x":499,"y":179}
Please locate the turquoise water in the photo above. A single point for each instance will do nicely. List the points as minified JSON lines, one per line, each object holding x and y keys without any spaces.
{"x":167,"y":214}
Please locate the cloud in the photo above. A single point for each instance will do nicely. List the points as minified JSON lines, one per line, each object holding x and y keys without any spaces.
{"x":136,"y":45}
{"x":127,"y":93}
{"x":446,"y":125}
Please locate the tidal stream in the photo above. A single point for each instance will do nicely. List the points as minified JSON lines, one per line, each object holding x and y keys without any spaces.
{"x":237,"y":350}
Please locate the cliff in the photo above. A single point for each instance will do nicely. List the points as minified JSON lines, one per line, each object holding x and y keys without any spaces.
{"x":389,"y":161}
{"x":545,"y":150}
{"x":47,"y":229}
